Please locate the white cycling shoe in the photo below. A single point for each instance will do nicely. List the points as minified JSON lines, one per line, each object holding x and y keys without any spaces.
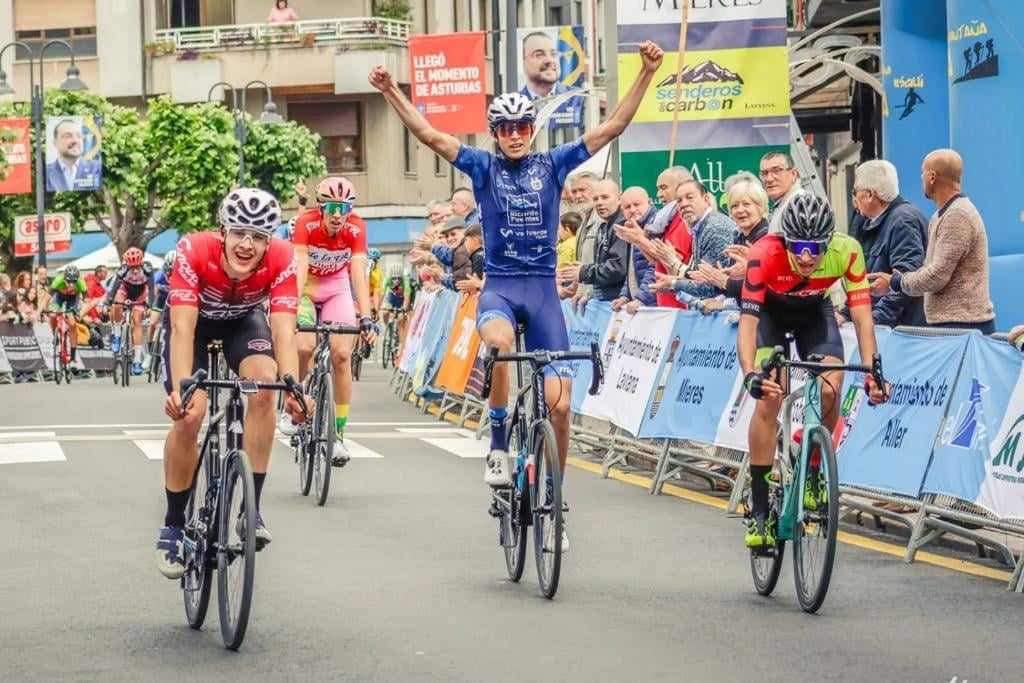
{"x":341,"y":456}
{"x":549,"y":538}
{"x":286,"y":426}
{"x":496,"y":473}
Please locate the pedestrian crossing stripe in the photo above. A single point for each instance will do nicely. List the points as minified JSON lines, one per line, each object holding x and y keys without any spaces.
{"x":39,"y":451}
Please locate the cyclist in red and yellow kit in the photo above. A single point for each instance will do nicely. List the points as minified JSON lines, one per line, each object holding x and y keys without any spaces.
{"x":787,"y":291}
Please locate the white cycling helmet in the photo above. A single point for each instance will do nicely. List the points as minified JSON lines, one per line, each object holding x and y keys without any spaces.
{"x":510,"y":108}
{"x":252,"y":208}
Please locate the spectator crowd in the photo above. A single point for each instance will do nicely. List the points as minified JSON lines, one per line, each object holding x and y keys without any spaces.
{"x":621,"y":246}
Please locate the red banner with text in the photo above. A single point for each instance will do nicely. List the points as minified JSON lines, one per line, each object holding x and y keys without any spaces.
{"x":14,"y":136}
{"x":449,"y":80}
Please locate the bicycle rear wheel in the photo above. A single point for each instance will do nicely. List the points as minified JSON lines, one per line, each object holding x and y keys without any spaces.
{"x":548,"y":522}
{"x":814,"y":536}
{"x":514,"y":508}
{"x":324,"y":436}
{"x":236,"y":558}
{"x":196,"y":582}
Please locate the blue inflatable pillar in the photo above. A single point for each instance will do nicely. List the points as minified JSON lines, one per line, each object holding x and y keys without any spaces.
{"x":914,"y":74}
{"x":986,"y":111}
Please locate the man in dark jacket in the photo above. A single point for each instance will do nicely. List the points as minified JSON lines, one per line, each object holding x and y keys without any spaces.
{"x":894,"y":236}
{"x":636,"y":290}
{"x":608,"y":271}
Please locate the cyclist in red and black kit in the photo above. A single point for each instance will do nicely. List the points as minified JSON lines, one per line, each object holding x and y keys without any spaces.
{"x":221,"y":287}
{"x":132,"y":284}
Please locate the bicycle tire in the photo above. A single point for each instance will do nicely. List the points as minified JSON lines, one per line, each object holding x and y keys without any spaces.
{"x":324,"y":442}
{"x":811,"y":590}
{"x":58,"y":369}
{"x":237,"y":492}
{"x":115,"y":371}
{"x":547,"y":508}
{"x":356,"y":362}
{"x":155,"y":358}
{"x":126,"y":368}
{"x":303,"y":459}
{"x":195,"y":584}
{"x":513,"y":523}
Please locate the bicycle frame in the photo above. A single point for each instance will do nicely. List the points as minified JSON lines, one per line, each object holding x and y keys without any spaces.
{"x":792,"y":471}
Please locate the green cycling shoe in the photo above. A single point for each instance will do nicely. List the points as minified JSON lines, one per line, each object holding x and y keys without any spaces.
{"x":760,"y":533}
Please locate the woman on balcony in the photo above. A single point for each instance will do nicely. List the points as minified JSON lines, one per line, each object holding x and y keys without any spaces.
{"x":281,"y":13}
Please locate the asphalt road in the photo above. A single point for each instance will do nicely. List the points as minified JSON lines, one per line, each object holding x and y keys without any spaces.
{"x":400,"y":577}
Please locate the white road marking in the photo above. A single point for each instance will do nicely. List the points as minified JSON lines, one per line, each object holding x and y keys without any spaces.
{"x":152,"y":425}
{"x":145,"y":433}
{"x":153,"y":449}
{"x":30,"y":435}
{"x":357,"y":450}
{"x":464,"y":448}
{"x":437,"y":430}
{"x":43,"y":451}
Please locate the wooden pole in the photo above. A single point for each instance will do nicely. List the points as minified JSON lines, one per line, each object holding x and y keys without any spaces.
{"x":680,"y":64}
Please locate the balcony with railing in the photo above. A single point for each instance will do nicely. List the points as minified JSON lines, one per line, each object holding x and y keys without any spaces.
{"x":297,"y":55}
{"x":349,"y":32}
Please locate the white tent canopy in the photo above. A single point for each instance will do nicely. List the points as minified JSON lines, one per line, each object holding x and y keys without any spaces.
{"x":107,"y":256}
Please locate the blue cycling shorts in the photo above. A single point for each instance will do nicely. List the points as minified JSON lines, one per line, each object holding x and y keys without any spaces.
{"x":530,"y":301}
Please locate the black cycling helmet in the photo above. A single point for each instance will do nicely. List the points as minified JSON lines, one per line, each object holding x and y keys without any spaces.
{"x":808,"y":217}
{"x":71,"y":274}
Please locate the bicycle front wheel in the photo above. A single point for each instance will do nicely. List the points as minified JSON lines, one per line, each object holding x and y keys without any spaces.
{"x":58,"y":368}
{"x":236,"y":558}
{"x":357,"y":362}
{"x":304,"y":459}
{"x":126,"y":366}
{"x":116,"y":369}
{"x":196,"y":582}
{"x":546,"y":497}
{"x":324,"y":436}
{"x":514,"y":506}
{"x":814,"y":536}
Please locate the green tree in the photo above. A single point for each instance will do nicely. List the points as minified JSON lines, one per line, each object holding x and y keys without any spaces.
{"x":168,"y":169}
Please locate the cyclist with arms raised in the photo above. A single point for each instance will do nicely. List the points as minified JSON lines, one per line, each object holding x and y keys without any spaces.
{"x":518,"y":193}
{"x":331,"y":264}
{"x":786,"y":291}
{"x":219,"y":290}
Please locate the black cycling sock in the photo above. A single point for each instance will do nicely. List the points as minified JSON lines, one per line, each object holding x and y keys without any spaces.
{"x":176,"y":502}
{"x":257,"y":479}
{"x":759,"y":489}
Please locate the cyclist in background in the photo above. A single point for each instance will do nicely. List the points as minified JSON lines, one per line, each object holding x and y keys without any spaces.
{"x":376,"y":279}
{"x":68,"y":290}
{"x":132,"y":284}
{"x":158,"y":297}
{"x":786,"y":291}
{"x":331,"y":266}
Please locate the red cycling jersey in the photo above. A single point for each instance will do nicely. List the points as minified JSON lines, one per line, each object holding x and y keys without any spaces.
{"x":199,"y":281}
{"x":772,"y":281}
{"x":329,"y":255}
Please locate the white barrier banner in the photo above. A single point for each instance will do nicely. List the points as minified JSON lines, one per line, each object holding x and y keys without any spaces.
{"x":633,"y":350}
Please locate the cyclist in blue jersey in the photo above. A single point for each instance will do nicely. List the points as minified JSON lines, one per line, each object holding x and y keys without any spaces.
{"x":158,"y":296}
{"x":518,"y":193}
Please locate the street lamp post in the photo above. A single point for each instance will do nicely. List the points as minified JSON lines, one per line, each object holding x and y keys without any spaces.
{"x":72,"y":82}
{"x":269,"y":115}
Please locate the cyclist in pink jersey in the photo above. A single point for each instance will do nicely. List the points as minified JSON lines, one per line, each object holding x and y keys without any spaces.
{"x":331,"y":264}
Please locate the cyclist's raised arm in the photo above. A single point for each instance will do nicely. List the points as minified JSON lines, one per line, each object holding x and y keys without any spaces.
{"x":444,"y":144}
{"x":598,"y":137}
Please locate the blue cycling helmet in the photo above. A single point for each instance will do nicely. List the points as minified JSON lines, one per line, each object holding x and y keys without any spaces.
{"x":374,"y":254}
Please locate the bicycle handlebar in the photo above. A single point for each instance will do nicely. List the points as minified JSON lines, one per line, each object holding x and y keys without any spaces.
{"x":329,"y":329}
{"x":190,"y":385}
{"x":778,"y":360}
{"x":540,"y":359}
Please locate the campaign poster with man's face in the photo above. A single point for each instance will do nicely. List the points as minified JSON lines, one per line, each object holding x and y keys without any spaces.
{"x":553,"y":60}
{"x":74,"y":161}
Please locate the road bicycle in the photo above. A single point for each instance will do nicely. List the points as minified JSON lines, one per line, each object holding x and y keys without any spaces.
{"x":123,"y":358}
{"x":389,"y":344}
{"x":535,"y":497}
{"x":314,"y":443}
{"x":220,"y":526}
{"x":62,"y":347}
{"x":804,"y":494}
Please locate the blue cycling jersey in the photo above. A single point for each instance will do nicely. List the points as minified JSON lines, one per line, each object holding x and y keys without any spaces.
{"x":519,"y":202}
{"x":160,"y":282}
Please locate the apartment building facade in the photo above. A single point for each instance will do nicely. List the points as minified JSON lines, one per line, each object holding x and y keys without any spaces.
{"x":129,"y":50}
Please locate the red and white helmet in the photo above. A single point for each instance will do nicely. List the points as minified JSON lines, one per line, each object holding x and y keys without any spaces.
{"x":335,"y":189}
{"x":132,"y":257}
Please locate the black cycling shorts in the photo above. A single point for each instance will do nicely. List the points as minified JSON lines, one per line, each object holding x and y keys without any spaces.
{"x":241,"y":337}
{"x":161,"y":299}
{"x":814,"y":327}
